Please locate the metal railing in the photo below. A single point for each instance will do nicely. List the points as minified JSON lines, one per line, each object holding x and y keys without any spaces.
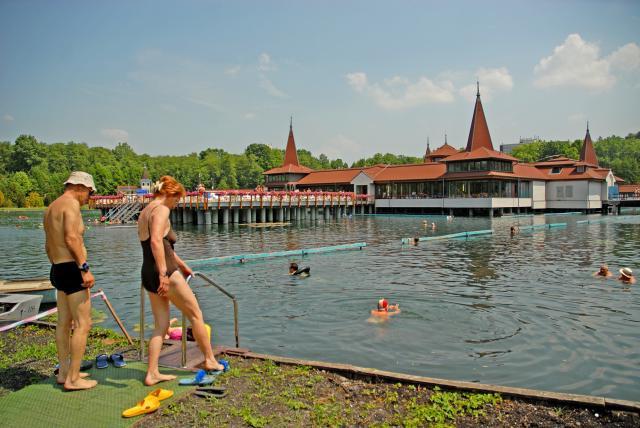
{"x":209,"y":281}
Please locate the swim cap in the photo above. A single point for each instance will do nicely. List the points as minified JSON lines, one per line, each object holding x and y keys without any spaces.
{"x":383,"y":304}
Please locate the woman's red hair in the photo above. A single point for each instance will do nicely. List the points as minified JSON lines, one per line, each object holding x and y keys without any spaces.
{"x":169,"y":186}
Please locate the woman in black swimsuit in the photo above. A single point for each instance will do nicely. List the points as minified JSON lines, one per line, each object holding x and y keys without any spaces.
{"x":163,"y":276}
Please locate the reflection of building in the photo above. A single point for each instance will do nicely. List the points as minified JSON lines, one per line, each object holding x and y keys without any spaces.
{"x":477,"y":179}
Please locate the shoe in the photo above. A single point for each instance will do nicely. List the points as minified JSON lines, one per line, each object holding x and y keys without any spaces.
{"x":160,"y":394}
{"x":117,"y":360}
{"x":200,"y":379}
{"x":148,"y":405}
{"x":102,"y":361}
{"x":211,"y":392}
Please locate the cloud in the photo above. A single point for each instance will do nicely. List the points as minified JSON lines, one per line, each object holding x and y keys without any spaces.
{"x":204,"y":103}
{"x":626,"y":58}
{"x":265,"y":63}
{"x":115,"y":135}
{"x":491,"y":80}
{"x":249,"y":116}
{"x":578,"y":63}
{"x":232,"y":71}
{"x":8,"y":118}
{"x":271,"y":88}
{"x":398,"y":92}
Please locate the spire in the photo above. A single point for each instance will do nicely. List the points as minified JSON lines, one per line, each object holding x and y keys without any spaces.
{"x":145,"y":173}
{"x":588,"y":153}
{"x":428,"y":148}
{"x":445,"y":138}
{"x":290,"y":153}
{"x":478,"y":86}
{"x":479,"y":133}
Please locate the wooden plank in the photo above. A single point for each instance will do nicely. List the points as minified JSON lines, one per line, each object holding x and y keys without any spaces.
{"x":525,"y":393}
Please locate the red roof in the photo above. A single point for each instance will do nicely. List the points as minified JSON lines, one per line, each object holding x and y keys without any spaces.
{"x":481,"y":153}
{"x":441,"y":152}
{"x":571,"y":173}
{"x":629,"y":188}
{"x":332,"y":176}
{"x":294,"y":169}
{"x":588,"y":153}
{"x":479,"y":133}
{"x":411,"y":172}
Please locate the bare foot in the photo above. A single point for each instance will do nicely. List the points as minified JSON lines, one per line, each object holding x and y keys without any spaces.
{"x":79,"y":384}
{"x":213,"y":365}
{"x":62,"y":379}
{"x":157,"y":378}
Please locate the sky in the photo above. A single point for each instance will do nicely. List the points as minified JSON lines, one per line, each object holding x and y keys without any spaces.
{"x":358,"y":77}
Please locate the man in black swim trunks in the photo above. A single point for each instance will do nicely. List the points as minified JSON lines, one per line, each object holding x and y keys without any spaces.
{"x":70,"y":275}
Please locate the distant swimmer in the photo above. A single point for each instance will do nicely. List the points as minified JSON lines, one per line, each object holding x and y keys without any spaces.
{"x":23,"y":217}
{"x":415,"y":240}
{"x":626,"y":276}
{"x":514,"y":230}
{"x":603,"y":272}
{"x":298,"y":271}
{"x":433,"y":226}
{"x":385,"y":309}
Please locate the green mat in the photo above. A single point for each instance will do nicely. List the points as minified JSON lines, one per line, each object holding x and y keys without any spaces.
{"x":46,"y":404}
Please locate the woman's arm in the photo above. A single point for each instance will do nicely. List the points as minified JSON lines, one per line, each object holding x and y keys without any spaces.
{"x":158,"y":221}
{"x":186,"y":270}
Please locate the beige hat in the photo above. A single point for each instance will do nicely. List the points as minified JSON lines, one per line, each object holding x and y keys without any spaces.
{"x":626,"y":272}
{"x":81,"y":177}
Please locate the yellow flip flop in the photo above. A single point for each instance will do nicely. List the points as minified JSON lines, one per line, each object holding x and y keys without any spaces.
{"x":148,"y":405}
{"x":161,"y":394}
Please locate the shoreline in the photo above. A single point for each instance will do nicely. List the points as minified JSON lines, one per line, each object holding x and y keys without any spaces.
{"x":265,"y":390}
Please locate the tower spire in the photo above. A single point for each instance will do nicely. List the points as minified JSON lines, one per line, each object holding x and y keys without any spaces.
{"x":588,"y":152}
{"x":479,"y":133}
{"x":290,"y":153}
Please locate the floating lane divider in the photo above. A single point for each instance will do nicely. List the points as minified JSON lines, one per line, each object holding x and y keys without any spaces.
{"x":450,"y":236}
{"x":567,"y":213}
{"x":240,"y":258}
{"x":542,"y":226}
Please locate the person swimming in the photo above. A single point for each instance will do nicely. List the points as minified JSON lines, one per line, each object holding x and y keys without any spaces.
{"x":384,"y":309}
{"x":514,"y":230}
{"x":626,"y":276}
{"x":603,"y":271}
{"x":297,"y":271}
{"x":415,"y":240}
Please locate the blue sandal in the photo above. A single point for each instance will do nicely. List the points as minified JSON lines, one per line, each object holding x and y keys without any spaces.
{"x":200,"y":379}
{"x":102,"y":361}
{"x":117,"y":360}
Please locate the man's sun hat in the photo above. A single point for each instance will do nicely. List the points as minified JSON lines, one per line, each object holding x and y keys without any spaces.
{"x":81,"y":177}
{"x":626,"y":272}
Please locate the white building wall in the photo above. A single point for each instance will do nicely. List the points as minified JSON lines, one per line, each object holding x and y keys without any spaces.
{"x":574,"y":194}
{"x":363,"y":179}
{"x":539,"y":195}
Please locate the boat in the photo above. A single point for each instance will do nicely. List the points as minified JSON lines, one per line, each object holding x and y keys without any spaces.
{"x":16,"y":307}
{"x":38,"y":286}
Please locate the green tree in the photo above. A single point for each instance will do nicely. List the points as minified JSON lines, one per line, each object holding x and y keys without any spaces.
{"x":1,"y":199}
{"x":26,"y":153}
{"x":18,"y":185}
{"x":34,"y":200}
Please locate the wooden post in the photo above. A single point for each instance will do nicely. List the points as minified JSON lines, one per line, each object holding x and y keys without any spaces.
{"x":115,"y":317}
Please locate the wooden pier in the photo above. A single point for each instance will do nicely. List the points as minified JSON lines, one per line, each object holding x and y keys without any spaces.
{"x":237,"y":207}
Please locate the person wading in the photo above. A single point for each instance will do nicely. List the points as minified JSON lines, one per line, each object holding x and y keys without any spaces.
{"x":163,"y":276}
{"x":70,"y":275}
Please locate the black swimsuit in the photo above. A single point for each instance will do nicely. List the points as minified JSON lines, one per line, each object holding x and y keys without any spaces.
{"x":150,"y":274}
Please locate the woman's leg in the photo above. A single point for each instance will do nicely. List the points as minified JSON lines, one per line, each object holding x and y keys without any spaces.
{"x":160,"y":309}
{"x":181,"y":295}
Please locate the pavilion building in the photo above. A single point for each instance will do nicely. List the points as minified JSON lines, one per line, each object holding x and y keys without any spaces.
{"x":475,"y":181}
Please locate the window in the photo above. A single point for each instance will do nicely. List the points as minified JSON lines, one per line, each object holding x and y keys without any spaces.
{"x":560,"y":192}
{"x":556,"y":170}
{"x":580,"y":169}
{"x":568,"y":191}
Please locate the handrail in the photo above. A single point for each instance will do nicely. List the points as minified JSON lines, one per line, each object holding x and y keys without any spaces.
{"x":184,"y":321}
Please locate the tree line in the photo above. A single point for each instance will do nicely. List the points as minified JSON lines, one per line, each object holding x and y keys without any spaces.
{"x":32,"y":172}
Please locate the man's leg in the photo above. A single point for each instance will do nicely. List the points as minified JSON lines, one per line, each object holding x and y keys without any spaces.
{"x":80,"y":307}
{"x":63,"y":330}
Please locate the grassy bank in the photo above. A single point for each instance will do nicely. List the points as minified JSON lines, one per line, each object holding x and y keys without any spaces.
{"x":265,"y":394}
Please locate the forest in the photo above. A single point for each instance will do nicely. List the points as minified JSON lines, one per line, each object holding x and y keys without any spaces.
{"x":32,"y":171}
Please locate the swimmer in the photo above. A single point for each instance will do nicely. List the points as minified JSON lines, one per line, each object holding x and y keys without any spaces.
{"x":297,"y":271}
{"x":626,"y":276}
{"x":385,"y":309}
{"x":514,"y":230}
{"x":603,"y":272}
{"x":433,"y":226}
{"x":415,"y":240}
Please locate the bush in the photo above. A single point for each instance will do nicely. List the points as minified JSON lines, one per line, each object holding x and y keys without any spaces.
{"x":34,"y":200}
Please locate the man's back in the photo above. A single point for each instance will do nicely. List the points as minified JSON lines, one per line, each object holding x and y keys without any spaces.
{"x":64,"y":209}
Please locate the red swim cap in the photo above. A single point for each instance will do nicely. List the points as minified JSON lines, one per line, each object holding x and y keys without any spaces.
{"x":383,"y":304}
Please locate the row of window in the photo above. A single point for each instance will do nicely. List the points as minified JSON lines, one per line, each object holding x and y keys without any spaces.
{"x":455,"y":189}
{"x":480,"y":165}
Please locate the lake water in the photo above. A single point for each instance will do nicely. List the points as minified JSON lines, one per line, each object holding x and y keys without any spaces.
{"x":522,"y":311}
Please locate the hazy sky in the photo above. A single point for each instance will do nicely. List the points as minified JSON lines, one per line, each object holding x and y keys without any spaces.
{"x":359,"y":77}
